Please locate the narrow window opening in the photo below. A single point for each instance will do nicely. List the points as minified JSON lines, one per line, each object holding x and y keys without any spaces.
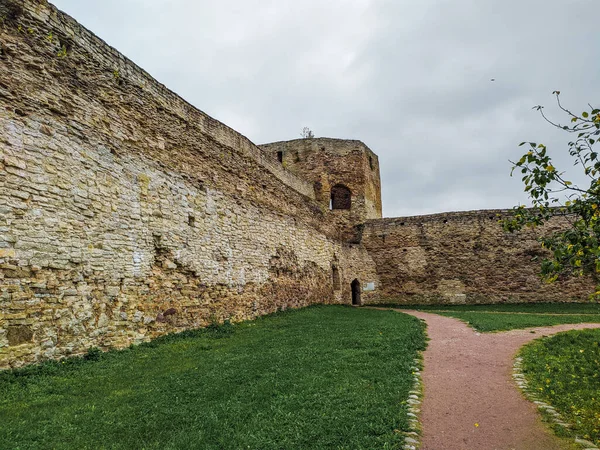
{"x":336,"y":279}
{"x":371,"y":162}
{"x":191,"y":221}
{"x":280,"y":157}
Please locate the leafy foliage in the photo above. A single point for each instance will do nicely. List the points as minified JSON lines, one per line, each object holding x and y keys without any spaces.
{"x":576,"y":250}
{"x":62,"y":52}
{"x":563,"y":371}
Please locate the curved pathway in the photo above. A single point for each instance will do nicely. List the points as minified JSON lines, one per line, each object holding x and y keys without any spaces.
{"x":470,"y":399}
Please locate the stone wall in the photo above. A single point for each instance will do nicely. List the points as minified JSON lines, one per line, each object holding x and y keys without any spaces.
{"x":327,"y":162}
{"x":125,"y":213}
{"x":462,"y":257}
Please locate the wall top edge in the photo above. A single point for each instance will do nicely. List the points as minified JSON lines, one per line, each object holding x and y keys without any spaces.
{"x":489,"y":214}
{"x":45,"y":12}
{"x":320,"y":140}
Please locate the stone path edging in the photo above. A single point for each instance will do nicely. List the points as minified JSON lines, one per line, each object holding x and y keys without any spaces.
{"x":470,"y":400}
{"x":552,"y":414}
{"x":412,"y":438}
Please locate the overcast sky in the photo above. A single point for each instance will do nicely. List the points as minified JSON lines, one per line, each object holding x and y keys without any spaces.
{"x":411,"y":79}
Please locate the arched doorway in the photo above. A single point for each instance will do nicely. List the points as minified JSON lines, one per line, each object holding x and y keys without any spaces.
{"x":341,"y":197}
{"x":356,"y":292}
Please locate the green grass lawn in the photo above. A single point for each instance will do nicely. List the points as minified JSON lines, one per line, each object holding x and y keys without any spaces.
{"x":321,"y":377}
{"x":488,"y":318}
{"x":531,"y":308}
{"x":488,"y":322}
{"x":564,"y":371}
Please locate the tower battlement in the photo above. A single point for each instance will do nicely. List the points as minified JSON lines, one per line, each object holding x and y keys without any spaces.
{"x":345,"y":174}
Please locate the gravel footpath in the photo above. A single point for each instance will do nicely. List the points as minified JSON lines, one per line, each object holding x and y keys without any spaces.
{"x":470,"y":399}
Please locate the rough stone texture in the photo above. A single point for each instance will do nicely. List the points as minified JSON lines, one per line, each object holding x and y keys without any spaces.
{"x":462,"y":257}
{"x":125,"y":213}
{"x":330,"y":162}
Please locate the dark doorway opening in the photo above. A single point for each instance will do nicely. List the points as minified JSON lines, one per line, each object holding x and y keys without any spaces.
{"x":356,"y":292}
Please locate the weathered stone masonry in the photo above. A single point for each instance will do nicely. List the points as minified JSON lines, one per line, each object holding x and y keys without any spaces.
{"x":336,"y":164}
{"x":126,"y":213}
{"x":463,"y":257}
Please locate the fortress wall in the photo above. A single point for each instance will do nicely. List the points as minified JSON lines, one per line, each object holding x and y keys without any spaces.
{"x":328,"y":162}
{"x":462,"y":257}
{"x":126,"y":214}
{"x":359,"y":264}
{"x":111,"y":81}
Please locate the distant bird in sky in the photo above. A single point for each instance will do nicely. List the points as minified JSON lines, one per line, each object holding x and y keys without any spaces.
{"x":493,"y":79}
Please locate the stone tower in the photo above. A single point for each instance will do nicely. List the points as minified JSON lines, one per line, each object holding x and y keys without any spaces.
{"x":345,"y":174}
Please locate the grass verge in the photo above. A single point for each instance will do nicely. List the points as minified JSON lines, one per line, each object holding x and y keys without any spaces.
{"x":321,"y":377}
{"x":563,"y":371}
{"x":490,"y":318}
{"x":529,"y":308}
{"x":489,"y":322}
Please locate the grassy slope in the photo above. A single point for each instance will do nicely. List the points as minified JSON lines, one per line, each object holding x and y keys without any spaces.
{"x":563,"y":370}
{"x":322,"y":377}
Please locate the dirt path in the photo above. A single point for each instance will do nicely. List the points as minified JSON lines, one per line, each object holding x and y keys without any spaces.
{"x":467,"y":381}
